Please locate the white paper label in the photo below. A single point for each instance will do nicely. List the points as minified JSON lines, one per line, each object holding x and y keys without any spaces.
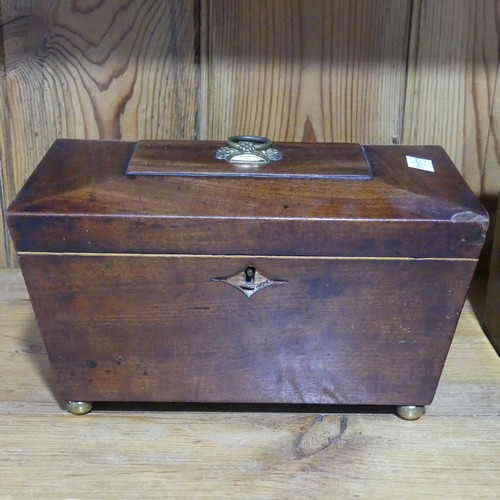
{"x":420,"y":163}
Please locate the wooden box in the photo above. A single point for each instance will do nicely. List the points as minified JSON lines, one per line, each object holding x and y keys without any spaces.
{"x":160,"y":272}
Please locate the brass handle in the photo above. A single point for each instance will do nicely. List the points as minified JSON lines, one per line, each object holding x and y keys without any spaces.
{"x":259,"y":143}
{"x":248,"y":150}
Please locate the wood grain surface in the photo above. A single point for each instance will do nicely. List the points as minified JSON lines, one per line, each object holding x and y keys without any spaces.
{"x":371,"y":72}
{"x":305,"y":70}
{"x":453,"y":61}
{"x":490,"y":186}
{"x":270,"y":452}
{"x":333,"y":331}
{"x":400,"y":212}
{"x":94,"y":69}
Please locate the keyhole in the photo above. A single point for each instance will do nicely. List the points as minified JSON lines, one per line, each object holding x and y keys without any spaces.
{"x":250,"y":275}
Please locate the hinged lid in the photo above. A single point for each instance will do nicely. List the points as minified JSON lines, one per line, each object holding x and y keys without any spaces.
{"x":80,"y":200}
{"x":289,"y":161}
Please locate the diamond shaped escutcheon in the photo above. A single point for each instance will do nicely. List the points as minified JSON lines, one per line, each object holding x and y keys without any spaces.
{"x":250,"y":281}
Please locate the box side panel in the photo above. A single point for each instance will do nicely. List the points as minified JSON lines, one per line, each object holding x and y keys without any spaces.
{"x":169,"y":329}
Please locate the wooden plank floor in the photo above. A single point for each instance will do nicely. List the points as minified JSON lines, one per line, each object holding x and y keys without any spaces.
{"x":452,"y":452}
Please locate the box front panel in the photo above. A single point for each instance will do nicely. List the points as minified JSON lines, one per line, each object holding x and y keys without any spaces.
{"x":314,"y":330}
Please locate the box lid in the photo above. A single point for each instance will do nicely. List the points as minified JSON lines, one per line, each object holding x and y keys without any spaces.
{"x":322,"y":200}
{"x":290,"y":161}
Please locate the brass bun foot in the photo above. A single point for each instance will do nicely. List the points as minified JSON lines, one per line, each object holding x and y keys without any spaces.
{"x":410,"y":412}
{"x":78,"y":407}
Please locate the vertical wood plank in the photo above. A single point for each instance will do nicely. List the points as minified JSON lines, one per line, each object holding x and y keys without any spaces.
{"x":490,"y":190}
{"x":490,"y":187}
{"x":305,"y":70}
{"x":93,"y":69}
{"x":4,"y":155}
{"x":289,"y":69}
{"x":453,"y":61}
{"x":3,"y":247}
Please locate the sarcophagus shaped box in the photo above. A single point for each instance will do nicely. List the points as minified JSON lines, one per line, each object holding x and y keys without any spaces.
{"x":293,"y":273}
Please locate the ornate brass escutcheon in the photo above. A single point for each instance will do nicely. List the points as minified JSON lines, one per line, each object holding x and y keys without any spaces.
{"x":248,"y":150}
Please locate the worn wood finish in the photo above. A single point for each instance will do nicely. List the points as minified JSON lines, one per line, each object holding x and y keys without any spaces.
{"x":453,"y":62}
{"x":130,"y":275}
{"x":86,"y":69}
{"x":194,"y":158}
{"x":256,"y":452}
{"x":305,"y":70}
{"x":158,"y":214}
{"x":162,"y":329}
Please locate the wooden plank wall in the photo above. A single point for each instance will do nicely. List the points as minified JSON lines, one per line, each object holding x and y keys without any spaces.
{"x":116,"y":69}
{"x":297,"y":70}
{"x":451,"y":80}
{"x":383,"y":71}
